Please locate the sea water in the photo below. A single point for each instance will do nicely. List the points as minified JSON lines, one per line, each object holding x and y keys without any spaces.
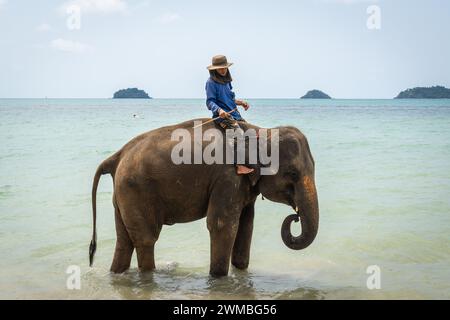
{"x":382,"y":175}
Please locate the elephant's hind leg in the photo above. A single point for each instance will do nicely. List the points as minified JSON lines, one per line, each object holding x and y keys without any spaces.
{"x":148,"y":231}
{"x":142,"y":224}
{"x":124,"y":246}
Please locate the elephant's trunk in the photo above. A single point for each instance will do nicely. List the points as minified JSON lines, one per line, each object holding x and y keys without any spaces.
{"x":308,"y":210}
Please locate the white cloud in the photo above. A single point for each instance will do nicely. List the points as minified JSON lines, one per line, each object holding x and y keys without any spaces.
{"x":44,"y":27}
{"x":96,"y":6}
{"x":69,"y":46}
{"x":169,"y":18}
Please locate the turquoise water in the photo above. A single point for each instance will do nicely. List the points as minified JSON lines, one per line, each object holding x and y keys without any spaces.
{"x":383,"y":178}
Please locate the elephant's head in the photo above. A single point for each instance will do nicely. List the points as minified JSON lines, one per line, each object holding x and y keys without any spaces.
{"x":294,"y":185}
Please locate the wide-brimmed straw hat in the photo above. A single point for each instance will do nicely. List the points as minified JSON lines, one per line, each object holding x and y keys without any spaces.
{"x":219,"y":62}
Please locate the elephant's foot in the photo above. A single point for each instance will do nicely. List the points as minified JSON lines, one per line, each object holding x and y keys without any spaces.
{"x":241,"y":250}
{"x":119,"y":268}
{"x":124,"y":246}
{"x":221,"y":246}
{"x":218,"y":271}
{"x":146,"y":258}
{"x":222,"y":222}
{"x":122,"y":260}
{"x":240,"y":264}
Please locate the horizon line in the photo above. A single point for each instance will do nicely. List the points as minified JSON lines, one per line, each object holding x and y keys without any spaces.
{"x":202,"y":98}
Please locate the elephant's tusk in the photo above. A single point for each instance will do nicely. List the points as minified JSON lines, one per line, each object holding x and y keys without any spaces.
{"x":296,"y":209}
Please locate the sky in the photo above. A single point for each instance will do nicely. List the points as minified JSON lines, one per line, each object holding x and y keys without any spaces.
{"x":280,"y":49}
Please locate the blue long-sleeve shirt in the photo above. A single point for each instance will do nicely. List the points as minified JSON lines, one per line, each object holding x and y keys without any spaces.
{"x":221,"y":96}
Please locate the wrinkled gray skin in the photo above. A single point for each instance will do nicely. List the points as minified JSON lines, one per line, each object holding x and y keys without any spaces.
{"x":150,"y":191}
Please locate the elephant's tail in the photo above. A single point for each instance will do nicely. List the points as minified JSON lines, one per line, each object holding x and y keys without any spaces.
{"x":107,"y":166}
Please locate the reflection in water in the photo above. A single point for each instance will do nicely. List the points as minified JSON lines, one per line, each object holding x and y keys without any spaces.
{"x":239,"y":283}
{"x":189,"y":284}
{"x":302,"y":293}
{"x":134,"y":284}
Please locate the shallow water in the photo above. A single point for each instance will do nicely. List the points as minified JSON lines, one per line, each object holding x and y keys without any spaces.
{"x":382,"y":174}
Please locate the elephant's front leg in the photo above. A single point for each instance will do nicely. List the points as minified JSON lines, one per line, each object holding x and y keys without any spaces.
{"x":222,"y":225}
{"x":222,"y":238}
{"x":241,"y":249}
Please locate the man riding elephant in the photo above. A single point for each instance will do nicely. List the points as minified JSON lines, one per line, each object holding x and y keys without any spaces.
{"x":151,"y":190}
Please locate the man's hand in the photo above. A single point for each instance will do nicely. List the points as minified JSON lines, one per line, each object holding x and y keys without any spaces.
{"x":223,"y":114}
{"x":243,"y":104}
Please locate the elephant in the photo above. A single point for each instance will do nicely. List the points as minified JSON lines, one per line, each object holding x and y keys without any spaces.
{"x":150,"y":191}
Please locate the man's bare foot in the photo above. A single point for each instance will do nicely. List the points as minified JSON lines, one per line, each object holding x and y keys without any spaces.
{"x":244,"y":170}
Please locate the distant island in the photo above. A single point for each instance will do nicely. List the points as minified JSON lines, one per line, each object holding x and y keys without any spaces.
{"x":436,"y":92}
{"x":315,"y":94}
{"x":131,"y":93}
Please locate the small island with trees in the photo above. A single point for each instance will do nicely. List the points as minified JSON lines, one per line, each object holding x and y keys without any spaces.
{"x":315,"y":94}
{"x":131,"y":93}
{"x":436,"y":92}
